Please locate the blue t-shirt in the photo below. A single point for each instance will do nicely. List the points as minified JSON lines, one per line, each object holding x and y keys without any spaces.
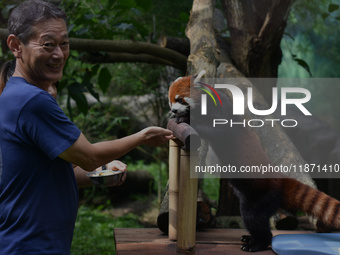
{"x":38,"y":190}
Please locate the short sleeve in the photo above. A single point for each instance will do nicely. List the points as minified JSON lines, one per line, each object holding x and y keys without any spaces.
{"x":46,"y":126}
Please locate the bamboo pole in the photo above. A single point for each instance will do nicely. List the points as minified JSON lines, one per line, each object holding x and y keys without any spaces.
{"x":174,"y":159}
{"x":187,"y":204}
{"x":189,"y":142}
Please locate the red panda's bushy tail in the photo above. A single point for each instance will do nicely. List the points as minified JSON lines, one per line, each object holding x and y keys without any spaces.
{"x":299,"y":196}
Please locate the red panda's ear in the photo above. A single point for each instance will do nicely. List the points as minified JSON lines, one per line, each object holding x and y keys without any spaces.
{"x":199,"y":76}
{"x":178,"y":79}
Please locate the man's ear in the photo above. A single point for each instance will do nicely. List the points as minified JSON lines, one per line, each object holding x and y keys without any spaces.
{"x":14,"y":45}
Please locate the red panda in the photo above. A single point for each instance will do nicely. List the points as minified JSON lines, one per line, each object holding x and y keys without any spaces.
{"x":179,"y":99}
{"x":259,"y":198}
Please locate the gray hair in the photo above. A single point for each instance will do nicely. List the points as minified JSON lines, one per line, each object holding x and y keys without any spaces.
{"x":28,"y":14}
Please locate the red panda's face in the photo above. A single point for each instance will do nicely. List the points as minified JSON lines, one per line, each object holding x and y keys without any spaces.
{"x":179,"y":96}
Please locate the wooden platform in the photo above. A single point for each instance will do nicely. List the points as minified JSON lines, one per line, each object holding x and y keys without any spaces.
{"x":209,"y":241}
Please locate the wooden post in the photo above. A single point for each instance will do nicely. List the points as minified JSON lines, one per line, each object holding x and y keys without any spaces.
{"x":187,"y":207}
{"x":174,"y":159}
{"x":185,"y":228}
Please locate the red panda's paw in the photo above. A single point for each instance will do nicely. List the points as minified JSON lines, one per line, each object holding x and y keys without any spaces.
{"x":246,"y":239}
{"x":253,"y":246}
{"x":182,"y":119}
{"x":323,"y":228}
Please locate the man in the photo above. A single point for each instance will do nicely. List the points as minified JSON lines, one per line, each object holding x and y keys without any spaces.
{"x":39,"y":144}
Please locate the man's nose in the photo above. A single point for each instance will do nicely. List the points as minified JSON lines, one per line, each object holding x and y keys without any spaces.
{"x":58,"y":52}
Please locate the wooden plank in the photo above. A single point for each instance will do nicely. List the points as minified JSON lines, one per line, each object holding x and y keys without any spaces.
{"x":208,"y":241}
{"x":170,"y":249}
{"x":139,"y":235}
{"x":146,"y":248}
{"x":136,"y":235}
{"x":220,"y":236}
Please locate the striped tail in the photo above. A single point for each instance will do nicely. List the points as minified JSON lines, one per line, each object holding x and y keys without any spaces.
{"x":301,"y":197}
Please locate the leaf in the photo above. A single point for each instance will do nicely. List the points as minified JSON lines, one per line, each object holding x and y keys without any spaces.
{"x":127,"y":3}
{"x":303,"y":63}
{"x":104,"y":79}
{"x":76,"y":92}
{"x":70,"y":28}
{"x":69,"y":107}
{"x":333,"y":7}
{"x":324,"y":15}
{"x":144,"y":4}
{"x":184,"y":17}
{"x":289,"y":35}
{"x":90,"y":89}
{"x":118,"y":121}
{"x":95,"y":68}
{"x":82,"y":31}
{"x":89,"y":16}
{"x":111,"y":3}
{"x":124,"y":26}
{"x":5,"y":11}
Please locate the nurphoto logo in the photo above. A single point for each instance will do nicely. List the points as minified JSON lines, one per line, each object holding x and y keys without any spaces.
{"x":298,"y":97}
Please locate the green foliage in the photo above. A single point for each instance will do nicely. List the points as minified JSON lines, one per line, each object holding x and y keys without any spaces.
{"x":106,"y":19}
{"x":79,"y":78}
{"x":211,"y":187}
{"x":110,"y":120}
{"x":117,"y":20}
{"x":331,"y":9}
{"x":105,"y":121}
{"x":5,"y":9}
{"x":93,"y":233}
{"x":171,"y":17}
{"x":310,"y":40}
{"x":158,"y":170}
{"x":94,"y":227}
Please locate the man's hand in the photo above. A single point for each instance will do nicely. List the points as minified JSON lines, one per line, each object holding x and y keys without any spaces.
{"x":155,"y":136}
{"x":116,"y":165}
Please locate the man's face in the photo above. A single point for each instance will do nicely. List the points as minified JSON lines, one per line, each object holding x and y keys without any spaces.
{"x":44,"y":56}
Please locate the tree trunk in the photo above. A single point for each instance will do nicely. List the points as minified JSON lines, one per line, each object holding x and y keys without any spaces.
{"x":256,"y":29}
{"x":200,"y":31}
{"x":210,"y":53}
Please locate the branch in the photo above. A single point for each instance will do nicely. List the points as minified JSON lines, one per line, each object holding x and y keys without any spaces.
{"x":276,"y":17}
{"x":125,"y":57}
{"x":181,"y":45}
{"x":126,"y":46}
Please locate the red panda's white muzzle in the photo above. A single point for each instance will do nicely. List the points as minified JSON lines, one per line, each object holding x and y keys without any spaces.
{"x":180,"y":109}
